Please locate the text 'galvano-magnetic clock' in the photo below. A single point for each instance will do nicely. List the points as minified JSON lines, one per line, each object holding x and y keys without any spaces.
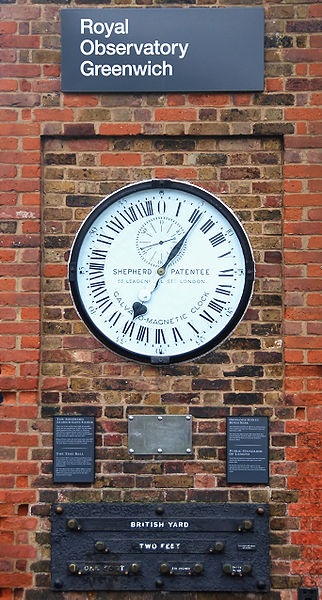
{"x":161,"y":271}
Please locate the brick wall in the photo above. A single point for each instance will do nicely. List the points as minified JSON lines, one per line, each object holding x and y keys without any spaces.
{"x":60,"y":154}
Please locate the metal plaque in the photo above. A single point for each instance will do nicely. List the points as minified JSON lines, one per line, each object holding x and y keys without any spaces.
{"x":171,"y":547}
{"x":247,"y":450}
{"x":74,"y":449}
{"x":160,"y":434}
{"x":163,"y":49}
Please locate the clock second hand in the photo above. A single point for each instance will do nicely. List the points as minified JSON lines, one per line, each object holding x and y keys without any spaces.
{"x":139,"y":308}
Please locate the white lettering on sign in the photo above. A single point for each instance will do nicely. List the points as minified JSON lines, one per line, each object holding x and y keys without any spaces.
{"x":89,"y":69}
{"x":152,"y":546}
{"x":159,"y":524}
{"x":95,"y":46}
{"x":180,"y":524}
{"x":89,"y":27}
{"x":147,"y":524}
{"x":89,"y":47}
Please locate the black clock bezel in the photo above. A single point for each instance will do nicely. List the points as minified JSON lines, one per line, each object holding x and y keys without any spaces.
{"x":162,"y":184}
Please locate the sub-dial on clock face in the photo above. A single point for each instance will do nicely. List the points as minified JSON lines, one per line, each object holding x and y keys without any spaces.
{"x":156,"y":238}
{"x":161,"y":271}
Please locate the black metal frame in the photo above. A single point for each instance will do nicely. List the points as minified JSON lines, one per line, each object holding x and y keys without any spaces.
{"x":171,"y":547}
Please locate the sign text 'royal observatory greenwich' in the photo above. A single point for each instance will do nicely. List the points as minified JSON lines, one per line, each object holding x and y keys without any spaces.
{"x":163,"y":50}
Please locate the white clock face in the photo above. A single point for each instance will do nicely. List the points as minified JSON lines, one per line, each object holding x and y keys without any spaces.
{"x":161,"y":271}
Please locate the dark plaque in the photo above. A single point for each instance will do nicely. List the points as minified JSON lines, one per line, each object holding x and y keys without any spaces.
{"x":167,"y":547}
{"x":162,"y":49}
{"x":247,"y":450}
{"x":74,"y":449}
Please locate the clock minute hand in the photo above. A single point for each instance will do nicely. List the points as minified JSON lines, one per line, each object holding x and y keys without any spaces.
{"x":139,"y":308}
{"x":175,"y":250}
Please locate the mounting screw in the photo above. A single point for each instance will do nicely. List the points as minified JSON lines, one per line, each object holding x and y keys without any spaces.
{"x":160,"y":417}
{"x":59,"y":510}
{"x":188,"y":417}
{"x":131,"y":417}
{"x":73,"y":525}
{"x":227,"y":568}
{"x":159,"y":510}
{"x":135,"y":568}
{"x":164,"y":568}
{"x":260,"y":510}
{"x":198,"y":568}
{"x":100,"y":546}
{"x":216,"y":547}
{"x":131,"y":450}
{"x":160,"y":450}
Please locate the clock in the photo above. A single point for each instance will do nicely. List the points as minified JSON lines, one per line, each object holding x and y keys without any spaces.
{"x":161,"y":271}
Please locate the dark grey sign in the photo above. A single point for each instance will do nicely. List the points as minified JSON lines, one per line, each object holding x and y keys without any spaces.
{"x":247,"y":450}
{"x":74,"y":449}
{"x":163,"y":49}
{"x":167,"y":547}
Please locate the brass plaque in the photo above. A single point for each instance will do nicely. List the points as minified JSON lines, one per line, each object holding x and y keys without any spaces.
{"x":160,"y":434}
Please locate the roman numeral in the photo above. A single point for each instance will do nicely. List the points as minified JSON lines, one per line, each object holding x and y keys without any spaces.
{"x":96,"y":267}
{"x":129,"y":215}
{"x":114,"y":318}
{"x":207,"y":226}
{"x":128,"y":328}
{"x":205,"y":315}
{"x":195,"y":216}
{"x":176,"y":334}
{"x":96,"y":270}
{"x":105,"y":239}
{"x":178,"y":209}
{"x":115,"y":225}
{"x":159,"y":336}
{"x":192,"y":327}
{"x":217,"y":305}
{"x":99,"y":254}
{"x":105,"y":302}
{"x":98,"y":287}
{"x":143,"y":334}
{"x":217,"y":239}
{"x":162,"y":207}
{"x":147,"y":208}
{"x":223,"y":289}
{"x":226,"y":272}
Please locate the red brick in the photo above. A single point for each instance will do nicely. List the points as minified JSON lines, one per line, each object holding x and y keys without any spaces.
{"x":161,"y":137}
{"x":172,"y":114}
{"x":120,"y":129}
{"x":121,"y":159}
